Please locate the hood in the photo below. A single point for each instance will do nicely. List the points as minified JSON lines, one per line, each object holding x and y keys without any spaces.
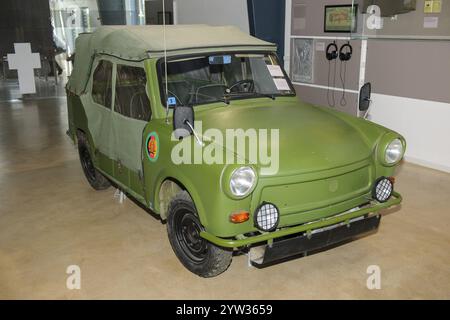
{"x":310,"y":139}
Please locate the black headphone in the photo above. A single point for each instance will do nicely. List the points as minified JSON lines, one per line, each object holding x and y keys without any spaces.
{"x":331,"y":55}
{"x":345,"y":56}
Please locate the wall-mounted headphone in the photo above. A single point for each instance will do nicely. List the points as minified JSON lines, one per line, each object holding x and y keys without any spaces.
{"x":345,"y":56}
{"x":333,"y":54}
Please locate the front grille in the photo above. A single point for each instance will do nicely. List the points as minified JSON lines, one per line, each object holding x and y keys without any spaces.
{"x":309,"y":195}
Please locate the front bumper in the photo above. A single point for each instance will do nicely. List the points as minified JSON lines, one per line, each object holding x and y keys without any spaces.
{"x":321,"y":239}
{"x":307,"y":227}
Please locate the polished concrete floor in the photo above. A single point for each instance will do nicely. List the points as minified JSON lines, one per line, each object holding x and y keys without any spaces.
{"x":50,"y":219}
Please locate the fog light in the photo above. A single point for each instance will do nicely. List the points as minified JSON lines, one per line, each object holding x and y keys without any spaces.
{"x":267,"y":217}
{"x":382,"y":189}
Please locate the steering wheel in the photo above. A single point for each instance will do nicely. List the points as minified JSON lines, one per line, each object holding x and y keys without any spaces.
{"x":246,"y":85}
{"x":210,"y":91}
{"x":138,"y":108}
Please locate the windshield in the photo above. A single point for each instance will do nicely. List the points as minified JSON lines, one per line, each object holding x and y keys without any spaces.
{"x":207,"y":79}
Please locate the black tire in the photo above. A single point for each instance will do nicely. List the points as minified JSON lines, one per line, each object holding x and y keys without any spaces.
{"x":197,"y":254}
{"x":93,"y":176}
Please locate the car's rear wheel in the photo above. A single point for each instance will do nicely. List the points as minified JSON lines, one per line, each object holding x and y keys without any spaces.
{"x":195,"y":253}
{"x":93,"y":176}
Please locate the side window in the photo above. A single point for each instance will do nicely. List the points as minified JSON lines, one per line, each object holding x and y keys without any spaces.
{"x":101,"y":86}
{"x":131,"y":99}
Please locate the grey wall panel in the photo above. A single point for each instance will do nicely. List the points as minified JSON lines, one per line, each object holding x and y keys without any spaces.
{"x":213,"y":12}
{"x":307,"y":20}
{"x":407,"y":24}
{"x":318,"y":96}
{"x":407,"y":68}
{"x":321,"y":65}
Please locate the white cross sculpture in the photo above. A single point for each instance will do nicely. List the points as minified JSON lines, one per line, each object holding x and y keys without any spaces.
{"x":24,"y":62}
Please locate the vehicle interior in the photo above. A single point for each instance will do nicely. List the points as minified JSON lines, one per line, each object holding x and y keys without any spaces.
{"x":200,"y":80}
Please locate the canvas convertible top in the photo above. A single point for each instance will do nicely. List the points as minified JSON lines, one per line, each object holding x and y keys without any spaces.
{"x":137,"y":43}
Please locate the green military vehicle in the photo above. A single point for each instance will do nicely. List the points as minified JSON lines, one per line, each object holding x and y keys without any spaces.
{"x":132,"y":99}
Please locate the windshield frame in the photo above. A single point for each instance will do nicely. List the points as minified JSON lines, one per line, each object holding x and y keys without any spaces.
{"x":160,"y":73}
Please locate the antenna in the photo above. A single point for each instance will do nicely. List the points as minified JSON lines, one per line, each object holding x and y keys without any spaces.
{"x":165,"y":61}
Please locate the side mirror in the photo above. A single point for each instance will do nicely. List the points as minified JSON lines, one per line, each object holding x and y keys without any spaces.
{"x":364,"y":97}
{"x":183,"y":121}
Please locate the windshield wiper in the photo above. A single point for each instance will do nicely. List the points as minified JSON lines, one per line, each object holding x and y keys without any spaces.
{"x":267,"y":95}
{"x":256,"y":94}
{"x":224,"y":99}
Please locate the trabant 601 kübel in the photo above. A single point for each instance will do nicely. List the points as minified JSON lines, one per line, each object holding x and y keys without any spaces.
{"x":138,"y":93}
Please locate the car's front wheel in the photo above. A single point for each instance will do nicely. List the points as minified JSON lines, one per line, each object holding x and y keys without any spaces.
{"x":195,"y":253}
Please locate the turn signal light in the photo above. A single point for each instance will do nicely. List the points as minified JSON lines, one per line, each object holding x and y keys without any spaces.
{"x":391,"y":179}
{"x":239,"y":217}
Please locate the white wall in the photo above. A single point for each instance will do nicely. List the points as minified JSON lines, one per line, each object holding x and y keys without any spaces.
{"x":213,"y":12}
{"x":424,"y":124}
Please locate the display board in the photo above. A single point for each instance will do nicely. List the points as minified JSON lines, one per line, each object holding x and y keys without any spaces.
{"x":402,"y":19}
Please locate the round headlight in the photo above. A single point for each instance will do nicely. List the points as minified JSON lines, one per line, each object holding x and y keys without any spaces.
{"x":242,"y":181}
{"x":394,"y":152}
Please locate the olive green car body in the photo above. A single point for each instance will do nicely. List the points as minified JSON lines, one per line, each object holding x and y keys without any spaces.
{"x":328,"y":163}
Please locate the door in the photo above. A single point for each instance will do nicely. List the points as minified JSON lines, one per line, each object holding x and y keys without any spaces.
{"x":131,"y":114}
{"x":97,"y":105}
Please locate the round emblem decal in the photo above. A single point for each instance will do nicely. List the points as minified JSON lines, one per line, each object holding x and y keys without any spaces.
{"x":152,"y":146}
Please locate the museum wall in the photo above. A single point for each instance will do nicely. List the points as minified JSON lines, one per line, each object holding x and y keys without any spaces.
{"x":411,"y":85}
{"x":424,"y":124}
{"x":213,"y":12}
{"x":307,"y":22}
{"x":411,"y":81}
{"x":408,"y":23}
{"x":410,"y":77}
{"x":410,"y":68}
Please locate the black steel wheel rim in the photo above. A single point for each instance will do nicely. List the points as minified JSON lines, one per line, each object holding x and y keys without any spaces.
{"x":187,"y":229}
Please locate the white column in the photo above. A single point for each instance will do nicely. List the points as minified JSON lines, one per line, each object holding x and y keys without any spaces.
{"x":287,"y":35}
{"x":175,"y":12}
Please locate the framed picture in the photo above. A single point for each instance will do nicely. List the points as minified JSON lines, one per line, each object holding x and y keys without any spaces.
{"x":340,"y":18}
{"x":302,"y":60}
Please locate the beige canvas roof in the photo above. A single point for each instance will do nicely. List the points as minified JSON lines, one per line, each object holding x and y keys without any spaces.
{"x":141,"y":42}
{"x":136,"y":41}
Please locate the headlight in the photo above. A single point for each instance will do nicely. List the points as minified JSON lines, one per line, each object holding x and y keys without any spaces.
{"x":242,"y":181}
{"x":394,"y":152}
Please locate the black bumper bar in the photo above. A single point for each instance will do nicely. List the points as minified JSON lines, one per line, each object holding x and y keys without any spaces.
{"x":318,"y":239}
